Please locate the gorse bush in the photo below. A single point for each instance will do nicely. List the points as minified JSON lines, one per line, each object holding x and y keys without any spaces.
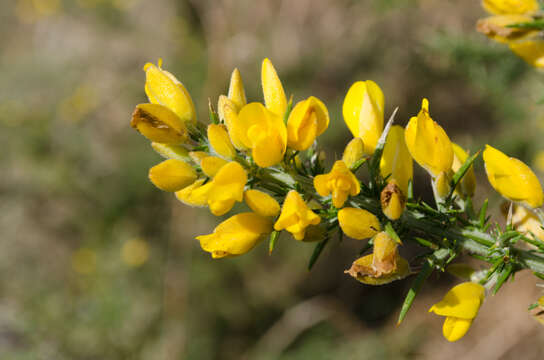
{"x":267,"y":156}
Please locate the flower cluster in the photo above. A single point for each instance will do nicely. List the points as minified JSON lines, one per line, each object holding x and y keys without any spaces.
{"x":265,"y":155}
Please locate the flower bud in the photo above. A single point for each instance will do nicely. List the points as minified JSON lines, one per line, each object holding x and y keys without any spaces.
{"x":158,"y":124}
{"x":353,"y":152}
{"x":512,"y":178}
{"x":163,"y":88}
{"x":460,"y":306}
{"x":428,"y":143}
{"x":236,"y":235}
{"x":396,"y":162}
{"x":172,"y":175}
{"x":499,"y":7}
{"x":363,"y":110}
{"x":392,"y":200}
{"x":220,"y":141}
{"x":295,"y":216}
{"x":308,"y":119}
{"x":274,"y":96}
{"x":261,"y":203}
{"x":237,"y":93}
{"x":340,"y":181}
{"x":228,"y":113}
{"x":358,"y":224}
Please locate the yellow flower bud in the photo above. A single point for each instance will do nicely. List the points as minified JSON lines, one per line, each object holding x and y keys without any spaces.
{"x":460,"y":306}
{"x":170,"y":151}
{"x":261,"y":203}
{"x":308,"y":119}
{"x":158,"y":124}
{"x":274,"y":96}
{"x":263,"y":132}
{"x":353,"y":152}
{"x":396,"y":160}
{"x":428,"y":143}
{"x":530,"y":48}
{"x":392,"y":200}
{"x":237,"y":93}
{"x":163,"y":88}
{"x":496,"y":27}
{"x":467,"y":185}
{"x":228,"y":113}
{"x":172,"y":175}
{"x":340,"y":182}
{"x":236,"y":235}
{"x":510,"y":6}
{"x":526,"y":221}
{"x":226,"y":188}
{"x":363,"y":110}
{"x":195,"y":194}
{"x":512,"y":178}
{"x":211,"y":164}
{"x":295,"y":216}
{"x":220,"y":141}
{"x":383,"y":266}
{"x":358,"y":224}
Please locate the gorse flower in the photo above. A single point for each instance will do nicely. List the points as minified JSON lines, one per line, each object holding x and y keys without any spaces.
{"x":396,"y":163}
{"x":226,"y":188}
{"x":460,"y":306}
{"x":220,"y":141}
{"x":340,"y":182}
{"x":261,"y":203}
{"x":158,"y":123}
{"x":512,"y":178}
{"x":353,"y":152}
{"x":363,"y":111}
{"x":274,"y":96}
{"x":172,"y":175}
{"x":295,"y":216}
{"x":500,"y":7}
{"x":308,"y":119}
{"x":358,"y":223}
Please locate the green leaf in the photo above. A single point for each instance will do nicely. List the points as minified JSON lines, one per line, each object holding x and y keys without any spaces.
{"x":536,"y":25}
{"x":458,"y":176}
{"x":288,"y":111}
{"x":392,"y":233}
{"x":503,"y":276}
{"x":272,"y":242}
{"x":482,"y":215}
{"x":214,"y":119}
{"x":414,"y":289}
{"x":317,"y":251}
{"x":378,"y":151}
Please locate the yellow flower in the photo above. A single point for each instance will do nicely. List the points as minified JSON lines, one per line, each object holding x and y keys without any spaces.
{"x":237,"y":93}
{"x":226,"y":188}
{"x":512,"y":178}
{"x":353,"y":152}
{"x":295,"y":216}
{"x":261,"y":203}
{"x":468,"y":183}
{"x":170,"y":151}
{"x":159,"y":124}
{"x":220,"y":141}
{"x":236,"y":235}
{"x":274,"y":96}
{"x":428,"y":143}
{"x":530,"y":48}
{"x":195,"y":194}
{"x":383,"y":266}
{"x":497,"y":27}
{"x":308,"y":119}
{"x":212,"y":164}
{"x":163,"y":88}
{"x":396,"y":160}
{"x":499,"y":7}
{"x":228,"y":113}
{"x":363,"y":110}
{"x":172,"y":175}
{"x":460,"y":306}
{"x":263,"y":132}
{"x":358,"y":224}
{"x":392,"y":200}
{"x":525,"y":221}
{"x":340,"y":182}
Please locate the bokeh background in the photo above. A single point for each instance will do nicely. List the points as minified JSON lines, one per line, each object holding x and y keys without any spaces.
{"x":96,"y":263}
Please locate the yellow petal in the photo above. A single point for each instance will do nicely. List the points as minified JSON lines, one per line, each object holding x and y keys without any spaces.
{"x":220,"y":141}
{"x":428,"y":143}
{"x":268,"y":149}
{"x":211,"y":164}
{"x":274,"y":96}
{"x":385,"y":254}
{"x":530,"y":48}
{"x":163,"y":88}
{"x":170,"y":151}
{"x":308,"y":119}
{"x":455,"y":328}
{"x":198,"y":156}
{"x":525,"y":221}
{"x":496,"y":27}
{"x":237,"y":93}
{"x":392,"y":200}
{"x":512,"y":178}
{"x":358,"y":223}
{"x":195,"y":194}
{"x":227,"y":188}
{"x":510,"y":6}
{"x":340,"y":181}
{"x":353,"y":152}
{"x":295,"y":216}
{"x":362,"y":271}
{"x":172,"y":175}
{"x":261,"y":203}
{"x":396,"y":160}
{"x":462,"y":301}
{"x":228,"y":113}
{"x":159,"y":124}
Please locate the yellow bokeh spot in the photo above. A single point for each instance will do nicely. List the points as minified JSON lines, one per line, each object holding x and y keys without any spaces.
{"x":84,"y":261}
{"x":135,"y":252}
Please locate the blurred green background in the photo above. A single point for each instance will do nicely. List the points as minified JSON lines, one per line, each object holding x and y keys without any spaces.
{"x":96,"y":263}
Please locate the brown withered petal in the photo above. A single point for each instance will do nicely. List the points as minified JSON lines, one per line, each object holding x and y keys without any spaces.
{"x":393,"y":210}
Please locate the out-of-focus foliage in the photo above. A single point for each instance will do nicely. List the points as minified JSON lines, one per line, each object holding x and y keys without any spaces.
{"x":96,"y":263}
